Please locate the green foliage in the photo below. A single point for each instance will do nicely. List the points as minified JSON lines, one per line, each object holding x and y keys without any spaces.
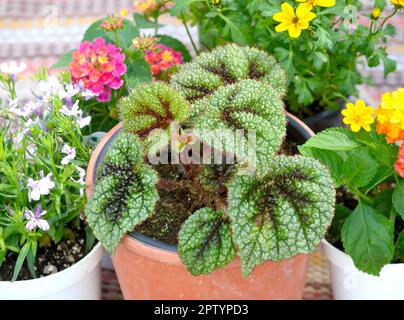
{"x":248,"y":105}
{"x":363,"y":162}
{"x":368,"y":239}
{"x":125,"y":193}
{"x":277,"y":210}
{"x":329,"y":50}
{"x":227,"y":65}
{"x":284,"y":214}
{"x":29,"y":145}
{"x":152,"y":106}
{"x":205,"y":242}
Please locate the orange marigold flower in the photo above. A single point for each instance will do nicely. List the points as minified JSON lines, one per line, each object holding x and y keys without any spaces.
{"x":390,"y":116}
{"x":399,"y":165}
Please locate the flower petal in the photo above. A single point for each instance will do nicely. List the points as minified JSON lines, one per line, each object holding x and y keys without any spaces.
{"x":294,"y":31}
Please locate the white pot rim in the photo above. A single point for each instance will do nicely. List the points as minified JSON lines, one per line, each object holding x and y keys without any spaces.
{"x":58,"y":275}
{"x":339,"y":255}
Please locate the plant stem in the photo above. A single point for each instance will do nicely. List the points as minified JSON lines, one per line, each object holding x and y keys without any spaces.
{"x":189,"y":33}
{"x":116,"y":38}
{"x":156,"y":25}
{"x":385,"y":20}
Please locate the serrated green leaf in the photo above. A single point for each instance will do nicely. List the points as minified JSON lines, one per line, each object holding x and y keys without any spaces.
{"x":398,"y":199}
{"x":182,"y":5}
{"x":331,"y":159}
{"x":359,"y":168}
{"x":138,"y":71}
{"x":337,"y":139}
{"x":283,"y":214}
{"x":205,"y":242}
{"x":124,"y":194}
{"x":368,"y":238}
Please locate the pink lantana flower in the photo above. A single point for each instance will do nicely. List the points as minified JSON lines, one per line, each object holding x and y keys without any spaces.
{"x":161,"y":58}
{"x":99,"y":67}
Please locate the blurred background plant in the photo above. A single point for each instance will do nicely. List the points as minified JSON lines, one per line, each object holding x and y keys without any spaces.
{"x":321,"y":50}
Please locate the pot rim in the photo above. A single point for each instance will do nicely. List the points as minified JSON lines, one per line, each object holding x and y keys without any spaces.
{"x":343,"y":255}
{"x":97,"y":248}
{"x":145,"y":241}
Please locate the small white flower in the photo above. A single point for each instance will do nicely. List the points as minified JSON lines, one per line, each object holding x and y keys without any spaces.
{"x":82,"y":174}
{"x":75,"y":112}
{"x":70,"y":154}
{"x":71,"y":112}
{"x":83,"y":122}
{"x":13,"y":67}
{"x":29,"y":108}
{"x":36,"y":188}
{"x":49,"y":88}
{"x":35,"y":219}
{"x":68,"y":91}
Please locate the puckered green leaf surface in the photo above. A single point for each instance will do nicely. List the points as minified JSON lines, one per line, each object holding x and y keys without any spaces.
{"x":251,"y":106}
{"x":205,"y":242}
{"x":283,"y":214}
{"x":124,"y":194}
{"x":227,"y":65}
{"x":368,"y":238}
{"x":152,"y":106}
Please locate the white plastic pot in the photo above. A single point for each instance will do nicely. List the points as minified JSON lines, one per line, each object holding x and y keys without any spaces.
{"x":82,"y":281}
{"x":348,"y":283}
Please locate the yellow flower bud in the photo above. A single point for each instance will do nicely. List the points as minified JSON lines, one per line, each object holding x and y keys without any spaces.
{"x":375,"y":13}
{"x":215,"y":2}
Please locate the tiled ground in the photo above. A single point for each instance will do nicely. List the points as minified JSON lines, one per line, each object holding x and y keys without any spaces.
{"x":38,"y":31}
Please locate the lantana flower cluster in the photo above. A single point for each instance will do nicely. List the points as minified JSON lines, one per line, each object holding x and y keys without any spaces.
{"x":389,"y":120}
{"x":161,"y":58}
{"x":99,"y":67}
{"x":390,"y":115}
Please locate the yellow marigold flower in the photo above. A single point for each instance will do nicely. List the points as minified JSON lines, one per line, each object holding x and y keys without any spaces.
{"x":293,"y":21}
{"x":390,"y":115}
{"x":398,"y":3}
{"x":358,"y":116}
{"x":376,"y":13}
{"x":310,"y":4}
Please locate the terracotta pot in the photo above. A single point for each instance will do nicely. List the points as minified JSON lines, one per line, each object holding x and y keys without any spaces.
{"x":150,"y":269}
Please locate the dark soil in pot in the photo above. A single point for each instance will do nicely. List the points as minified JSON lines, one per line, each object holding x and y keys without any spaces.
{"x":50,"y":259}
{"x":181,"y":196}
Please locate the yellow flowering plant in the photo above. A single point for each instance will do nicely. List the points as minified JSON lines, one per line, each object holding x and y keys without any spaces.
{"x":318,"y":42}
{"x":367,"y":167}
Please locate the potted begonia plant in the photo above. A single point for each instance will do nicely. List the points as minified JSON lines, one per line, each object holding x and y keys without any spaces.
{"x":320,"y":43}
{"x":197,"y":194}
{"x":365,"y":244}
{"x":46,"y":249}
